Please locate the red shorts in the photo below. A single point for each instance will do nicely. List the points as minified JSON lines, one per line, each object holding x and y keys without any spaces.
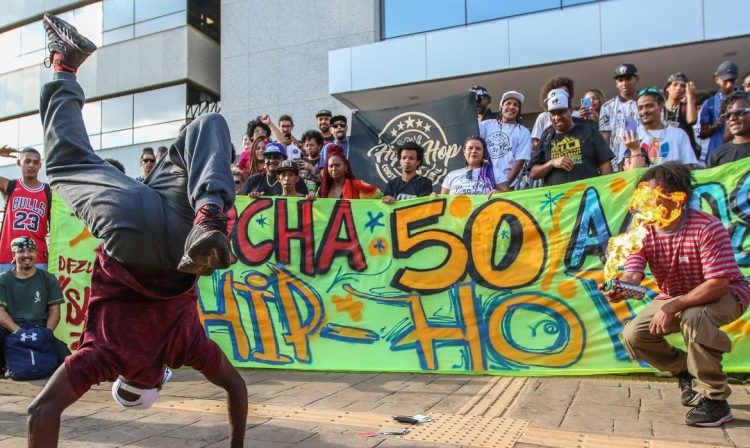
{"x":132,"y":331}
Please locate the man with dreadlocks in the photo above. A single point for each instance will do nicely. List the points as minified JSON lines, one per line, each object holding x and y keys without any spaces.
{"x":702,"y":289}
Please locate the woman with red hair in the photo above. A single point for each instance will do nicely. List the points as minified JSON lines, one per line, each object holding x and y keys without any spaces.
{"x":338,"y":180}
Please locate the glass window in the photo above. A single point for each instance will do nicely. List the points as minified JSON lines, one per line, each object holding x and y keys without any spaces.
{"x":9,"y":131}
{"x":163,"y":131}
{"x":117,"y":13}
{"x":159,"y":106}
{"x":415,"y":16}
{"x":160,"y":24}
{"x":32,"y":38}
{"x":10,"y":42}
{"x":92,"y":117}
{"x":119,"y":138}
{"x":88,"y":20}
{"x":577,"y":2}
{"x":117,"y":113}
{"x":205,"y":16}
{"x":117,"y":35}
{"x":149,"y":9}
{"x":480,"y":10}
{"x":96,"y":141}
{"x":30,"y":131}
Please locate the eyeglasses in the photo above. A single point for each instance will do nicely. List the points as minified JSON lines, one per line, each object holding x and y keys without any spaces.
{"x":737,"y":113}
{"x":148,"y":160}
{"x":338,"y":125}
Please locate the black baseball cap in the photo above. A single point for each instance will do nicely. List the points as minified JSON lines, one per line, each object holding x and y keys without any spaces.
{"x":727,"y":70}
{"x":336,"y":118}
{"x":287,"y":165}
{"x":626,"y":70}
{"x":323,"y":113}
{"x":480,"y":91}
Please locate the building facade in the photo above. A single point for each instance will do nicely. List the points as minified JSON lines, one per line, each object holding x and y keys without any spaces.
{"x":161,"y":62}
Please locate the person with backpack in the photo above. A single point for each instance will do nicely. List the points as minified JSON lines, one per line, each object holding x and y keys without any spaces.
{"x":29,"y":297}
{"x":27,"y":206}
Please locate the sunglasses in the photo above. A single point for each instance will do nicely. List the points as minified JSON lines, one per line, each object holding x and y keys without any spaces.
{"x":651,"y":90}
{"x":338,"y":125}
{"x":237,"y":182}
{"x":737,"y":113}
{"x":148,"y":160}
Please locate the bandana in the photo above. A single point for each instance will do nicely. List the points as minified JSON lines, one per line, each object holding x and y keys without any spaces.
{"x":22,"y":242}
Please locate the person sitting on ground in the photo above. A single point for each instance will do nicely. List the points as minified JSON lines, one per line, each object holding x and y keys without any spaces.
{"x":29,"y":297}
{"x":737,"y":117}
{"x":339,"y":181}
{"x":653,"y":143}
{"x":701,"y":289}
{"x":477,"y":176}
{"x":266,"y":183}
{"x":142,"y":313}
{"x":410,"y":184}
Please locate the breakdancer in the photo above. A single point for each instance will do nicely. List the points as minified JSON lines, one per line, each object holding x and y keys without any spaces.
{"x":157,"y":237}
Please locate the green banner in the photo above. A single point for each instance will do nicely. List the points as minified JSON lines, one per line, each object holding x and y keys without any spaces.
{"x":453,"y":285}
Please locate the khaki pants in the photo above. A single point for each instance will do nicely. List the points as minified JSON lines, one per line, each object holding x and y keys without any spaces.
{"x":705,"y":343}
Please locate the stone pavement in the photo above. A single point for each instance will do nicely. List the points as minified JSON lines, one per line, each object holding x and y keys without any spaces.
{"x":314,"y":409}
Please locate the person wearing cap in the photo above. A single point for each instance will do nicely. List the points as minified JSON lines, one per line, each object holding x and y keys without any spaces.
{"x":323,"y":121}
{"x":653,"y":143}
{"x":28,"y":297}
{"x":542,"y":121}
{"x":410,"y":184}
{"x":712,"y":126}
{"x":568,"y":151}
{"x":620,"y":108}
{"x":27,"y":206}
{"x":340,"y":127}
{"x":737,"y":116}
{"x":266,"y":183}
{"x":484,"y":100}
{"x":287,"y":175}
{"x":679,"y":107}
{"x":508,"y":142}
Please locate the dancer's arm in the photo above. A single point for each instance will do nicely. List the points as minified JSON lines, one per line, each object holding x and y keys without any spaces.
{"x":230,"y":380}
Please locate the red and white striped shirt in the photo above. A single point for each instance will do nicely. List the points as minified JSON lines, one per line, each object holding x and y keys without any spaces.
{"x":697,"y":251}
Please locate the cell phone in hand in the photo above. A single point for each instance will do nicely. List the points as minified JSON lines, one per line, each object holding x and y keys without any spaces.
{"x":586,"y":103}
{"x":631,"y":125}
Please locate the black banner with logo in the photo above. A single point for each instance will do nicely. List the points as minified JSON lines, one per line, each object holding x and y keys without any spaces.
{"x":440,"y":127}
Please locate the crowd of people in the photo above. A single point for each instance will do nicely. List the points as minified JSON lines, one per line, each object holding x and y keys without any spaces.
{"x":639,"y":127}
{"x":148,"y":262}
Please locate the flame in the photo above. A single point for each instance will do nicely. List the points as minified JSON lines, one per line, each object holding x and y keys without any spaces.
{"x":652,"y":207}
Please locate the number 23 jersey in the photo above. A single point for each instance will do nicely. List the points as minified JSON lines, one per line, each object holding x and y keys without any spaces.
{"x":26,"y":214}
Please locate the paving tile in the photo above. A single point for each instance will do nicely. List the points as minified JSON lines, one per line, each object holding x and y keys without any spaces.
{"x":395,"y":408}
{"x":630,"y":428}
{"x":689,"y":434}
{"x":738,"y":432}
{"x":13,"y":442}
{"x":274,"y":433}
{"x":546,"y":416}
{"x":603,"y":394}
{"x":170,"y":442}
{"x":328,"y":440}
{"x":588,"y":424}
{"x":603,"y":410}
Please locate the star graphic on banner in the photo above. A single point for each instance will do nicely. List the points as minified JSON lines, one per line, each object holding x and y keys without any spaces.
{"x":427,"y":128}
{"x":505,"y":234}
{"x":550,"y":202}
{"x":409,"y":122}
{"x":394,"y":132}
{"x":262,"y":221}
{"x":379,"y":246}
{"x":400,"y":126}
{"x":374,"y":221}
{"x":419,"y":123}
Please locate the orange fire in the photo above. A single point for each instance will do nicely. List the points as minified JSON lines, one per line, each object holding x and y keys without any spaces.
{"x":650,"y":206}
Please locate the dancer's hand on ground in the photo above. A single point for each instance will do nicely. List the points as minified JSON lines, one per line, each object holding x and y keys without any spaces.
{"x":7,"y":151}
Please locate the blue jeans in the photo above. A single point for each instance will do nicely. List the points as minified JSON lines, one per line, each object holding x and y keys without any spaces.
{"x":142,"y":225}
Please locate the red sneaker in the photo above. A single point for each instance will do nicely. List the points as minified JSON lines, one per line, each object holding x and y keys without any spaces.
{"x":207,"y":245}
{"x":67,"y":47}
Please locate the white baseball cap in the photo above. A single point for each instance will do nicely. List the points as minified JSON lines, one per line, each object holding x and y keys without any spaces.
{"x":557,"y":99}
{"x":512,"y":94}
{"x":146,"y":397}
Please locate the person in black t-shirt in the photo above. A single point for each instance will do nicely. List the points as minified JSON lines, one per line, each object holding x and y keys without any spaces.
{"x":266,"y":184}
{"x":410,"y":184}
{"x":568,"y":151}
{"x":737,"y":116}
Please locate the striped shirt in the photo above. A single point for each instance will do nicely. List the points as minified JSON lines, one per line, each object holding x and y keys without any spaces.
{"x":699,"y":250}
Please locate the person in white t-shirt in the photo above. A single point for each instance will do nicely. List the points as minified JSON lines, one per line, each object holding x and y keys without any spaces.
{"x":477,"y":176}
{"x":653,"y":143}
{"x":620,"y":109}
{"x":508,"y":142}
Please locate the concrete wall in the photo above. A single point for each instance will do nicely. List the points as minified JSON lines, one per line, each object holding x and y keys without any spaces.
{"x":275,"y":56}
{"x":576,"y":32}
